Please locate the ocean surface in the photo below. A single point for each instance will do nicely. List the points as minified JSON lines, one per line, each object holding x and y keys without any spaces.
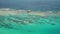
{"x":43,"y":5}
{"x":29,"y":24}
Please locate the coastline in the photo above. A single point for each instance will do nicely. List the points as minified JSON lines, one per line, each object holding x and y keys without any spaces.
{"x":7,"y":11}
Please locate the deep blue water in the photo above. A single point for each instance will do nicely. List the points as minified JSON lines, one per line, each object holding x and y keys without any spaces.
{"x":31,"y":4}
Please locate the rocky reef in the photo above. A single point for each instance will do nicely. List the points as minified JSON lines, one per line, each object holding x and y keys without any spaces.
{"x":10,"y":21}
{"x":13,"y":19}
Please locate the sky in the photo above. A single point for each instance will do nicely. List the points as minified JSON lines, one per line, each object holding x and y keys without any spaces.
{"x":31,"y":4}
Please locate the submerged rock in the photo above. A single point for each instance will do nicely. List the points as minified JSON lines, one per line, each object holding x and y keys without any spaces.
{"x":9,"y":21}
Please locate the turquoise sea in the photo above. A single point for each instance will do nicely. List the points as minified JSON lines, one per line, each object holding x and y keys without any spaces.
{"x":29,"y":24}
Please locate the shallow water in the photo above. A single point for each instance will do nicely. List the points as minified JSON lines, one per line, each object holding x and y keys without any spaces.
{"x":29,"y":24}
